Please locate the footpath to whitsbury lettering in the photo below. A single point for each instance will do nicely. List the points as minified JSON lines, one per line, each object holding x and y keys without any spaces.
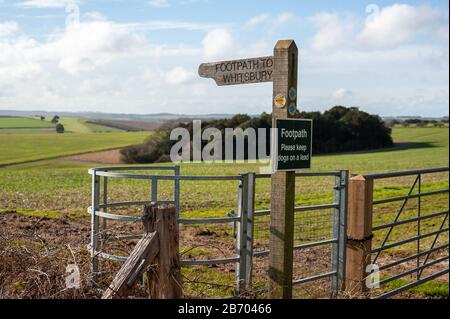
{"x":244,"y":71}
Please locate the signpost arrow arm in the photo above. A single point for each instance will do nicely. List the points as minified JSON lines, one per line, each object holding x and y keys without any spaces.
{"x":283,"y":183}
{"x":236,"y":72}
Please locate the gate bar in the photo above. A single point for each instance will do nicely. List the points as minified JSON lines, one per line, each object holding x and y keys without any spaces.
{"x":412,"y":284}
{"x":407,"y":173}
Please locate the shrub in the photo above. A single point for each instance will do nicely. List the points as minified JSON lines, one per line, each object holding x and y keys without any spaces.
{"x":55,"y":119}
{"x":59,"y":128}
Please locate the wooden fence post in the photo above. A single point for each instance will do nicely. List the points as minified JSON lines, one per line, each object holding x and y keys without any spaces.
{"x":281,"y":235}
{"x":359,"y":235}
{"x":159,"y":248}
{"x":141,"y":257}
{"x":165,"y":279}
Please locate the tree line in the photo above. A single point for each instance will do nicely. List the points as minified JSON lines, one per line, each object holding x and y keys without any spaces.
{"x":340,"y":129}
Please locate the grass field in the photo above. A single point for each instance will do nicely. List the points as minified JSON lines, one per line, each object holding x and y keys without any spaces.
{"x":55,"y":187}
{"x":25,"y":139}
{"x":19,"y":148}
{"x":36,"y":186}
{"x":22,"y":123}
{"x":419,"y":148}
{"x":13,"y":125}
{"x":77,"y":125}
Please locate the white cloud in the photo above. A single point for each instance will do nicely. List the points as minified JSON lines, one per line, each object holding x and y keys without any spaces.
{"x":178,"y":75}
{"x":44,"y":4}
{"x":94,"y":16}
{"x":442,"y":33}
{"x":5,"y":90}
{"x":167,"y":25}
{"x":80,"y":47}
{"x":15,"y":62}
{"x":332,"y":31}
{"x":217,"y":43}
{"x":398,"y":24}
{"x":270,"y":20}
{"x":389,"y":27}
{"x":254,"y":21}
{"x":283,"y":18}
{"x":98,"y":85}
{"x":7,"y":28}
{"x":159,"y":3}
{"x":342,"y":93}
{"x":85,"y":46}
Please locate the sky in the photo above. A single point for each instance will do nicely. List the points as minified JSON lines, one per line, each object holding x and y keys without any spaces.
{"x":385,"y":57}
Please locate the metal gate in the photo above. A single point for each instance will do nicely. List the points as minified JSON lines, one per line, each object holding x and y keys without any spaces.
{"x":249,"y":225}
{"x":426,"y":229}
{"x":331,"y":218}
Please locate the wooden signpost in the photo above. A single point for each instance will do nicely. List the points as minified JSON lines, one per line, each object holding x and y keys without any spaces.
{"x":245,"y":71}
{"x":281,"y":69}
{"x":281,"y":238}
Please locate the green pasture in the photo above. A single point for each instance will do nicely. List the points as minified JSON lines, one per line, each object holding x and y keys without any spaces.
{"x":19,"y":148}
{"x":60,"y":185}
{"x":78,"y":125}
{"x":23,"y":123}
{"x":56,"y":187}
{"x":16,"y":125}
{"x":419,"y":148}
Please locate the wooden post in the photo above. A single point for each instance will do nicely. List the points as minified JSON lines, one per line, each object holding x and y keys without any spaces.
{"x":283,"y":183}
{"x":359,"y":235}
{"x":141,"y":257}
{"x":165,"y":280}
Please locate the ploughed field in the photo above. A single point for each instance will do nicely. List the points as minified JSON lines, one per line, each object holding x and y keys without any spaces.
{"x":43,"y":209}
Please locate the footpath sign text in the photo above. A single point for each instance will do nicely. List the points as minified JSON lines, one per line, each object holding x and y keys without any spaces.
{"x":292,"y":144}
{"x":244,"y":71}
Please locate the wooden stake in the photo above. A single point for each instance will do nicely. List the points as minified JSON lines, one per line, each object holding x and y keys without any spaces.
{"x":142,"y":255}
{"x":359,"y":235}
{"x":283,"y":183}
{"x":165,"y":280}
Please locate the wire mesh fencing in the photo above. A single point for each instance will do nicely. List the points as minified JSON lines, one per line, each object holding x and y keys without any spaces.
{"x":224,"y":242}
{"x":319,"y":237}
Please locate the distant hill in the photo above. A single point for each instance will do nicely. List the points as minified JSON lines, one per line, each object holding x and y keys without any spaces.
{"x":405,"y":118}
{"x":168,"y":116}
{"x":116,"y":116}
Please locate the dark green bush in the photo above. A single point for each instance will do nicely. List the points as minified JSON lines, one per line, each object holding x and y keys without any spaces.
{"x":339,"y":129}
{"x":59,"y":128}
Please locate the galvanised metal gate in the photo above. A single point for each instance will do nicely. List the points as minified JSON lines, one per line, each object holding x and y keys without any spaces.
{"x":244,"y":221}
{"x":256,"y":247}
{"x":419,"y":226}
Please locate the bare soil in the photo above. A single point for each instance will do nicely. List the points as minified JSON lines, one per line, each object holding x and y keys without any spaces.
{"x":102,"y":157}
